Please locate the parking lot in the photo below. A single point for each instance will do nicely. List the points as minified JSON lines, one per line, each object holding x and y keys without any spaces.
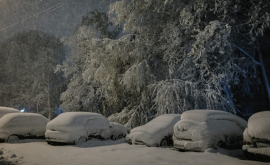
{"x":118,"y":152}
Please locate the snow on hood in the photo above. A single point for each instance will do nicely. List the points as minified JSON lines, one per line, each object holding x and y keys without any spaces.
{"x":6,"y":110}
{"x":204,"y":115}
{"x":153,"y":132}
{"x":23,"y":124}
{"x":258,"y":126}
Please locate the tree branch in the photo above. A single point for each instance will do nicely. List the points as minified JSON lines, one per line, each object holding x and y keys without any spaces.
{"x":246,"y":53}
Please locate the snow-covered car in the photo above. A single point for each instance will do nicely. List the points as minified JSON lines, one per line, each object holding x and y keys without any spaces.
{"x":257,"y":137}
{"x":199,"y":130}
{"x":6,"y":110}
{"x":14,"y":126}
{"x":157,"y":132}
{"x":74,"y":127}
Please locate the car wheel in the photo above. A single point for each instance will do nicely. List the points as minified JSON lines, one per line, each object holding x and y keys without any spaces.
{"x":13,"y":139}
{"x":163,"y":142}
{"x":221,"y":145}
{"x":121,"y":136}
{"x":81,"y":140}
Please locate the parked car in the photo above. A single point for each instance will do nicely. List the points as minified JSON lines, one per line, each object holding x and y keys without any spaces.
{"x":157,"y":132}
{"x":199,"y":130}
{"x":14,"y":126}
{"x":6,"y":110}
{"x":257,"y":137}
{"x":74,"y":127}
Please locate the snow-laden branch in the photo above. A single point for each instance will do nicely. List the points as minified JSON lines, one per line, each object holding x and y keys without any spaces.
{"x":246,"y":53}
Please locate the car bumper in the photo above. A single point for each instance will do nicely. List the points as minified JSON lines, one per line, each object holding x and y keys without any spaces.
{"x":3,"y":136}
{"x":186,"y":145}
{"x":59,"y":137}
{"x":258,"y":154}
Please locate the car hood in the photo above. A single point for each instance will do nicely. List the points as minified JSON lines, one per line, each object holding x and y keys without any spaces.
{"x":140,"y":137}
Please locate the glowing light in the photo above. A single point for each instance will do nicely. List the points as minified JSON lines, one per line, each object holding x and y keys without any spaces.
{"x":22,"y":110}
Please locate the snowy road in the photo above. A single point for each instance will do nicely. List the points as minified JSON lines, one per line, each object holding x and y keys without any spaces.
{"x":114,"y":153}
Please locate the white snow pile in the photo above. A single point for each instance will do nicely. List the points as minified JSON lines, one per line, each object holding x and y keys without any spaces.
{"x":233,"y":153}
{"x":202,"y":129}
{"x":71,"y":127}
{"x":153,"y":132}
{"x":119,"y":154}
{"x":6,"y":110}
{"x":24,"y":124}
{"x":258,"y":126}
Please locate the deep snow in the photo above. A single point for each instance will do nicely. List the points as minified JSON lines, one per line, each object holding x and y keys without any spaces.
{"x":110,"y":152}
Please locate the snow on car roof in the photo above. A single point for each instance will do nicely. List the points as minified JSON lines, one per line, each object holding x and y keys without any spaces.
{"x":22,"y":119}
{"x":73,"y":119}
{"x":203,"y":115}
{"x":6,"y":110}
{"x":260,"y":115}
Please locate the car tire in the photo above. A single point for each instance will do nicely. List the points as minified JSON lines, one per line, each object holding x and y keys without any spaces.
{"x":81,"y":140}
{"x":13,"y":139}
{"x":163,"y":142}
{"x":221,"y":145}
{"x":121,"y":136}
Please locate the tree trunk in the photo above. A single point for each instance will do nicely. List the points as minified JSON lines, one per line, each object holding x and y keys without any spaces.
{"x":265,"y":80}
{"x":37,"y":106}
{"x":229,"y":96}
{"x":49,"y":102}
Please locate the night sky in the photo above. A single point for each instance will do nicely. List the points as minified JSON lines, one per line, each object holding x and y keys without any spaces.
{"x":57,"y":17}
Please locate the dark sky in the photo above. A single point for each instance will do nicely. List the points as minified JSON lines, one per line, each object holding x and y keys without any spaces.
{"x":57,"y":17}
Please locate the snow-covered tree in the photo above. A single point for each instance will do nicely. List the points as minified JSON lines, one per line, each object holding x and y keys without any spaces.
{"x":176,"y":55}
{"x":27,"y":72}
{"x":207,"y":48}
{"x":85,"y":92}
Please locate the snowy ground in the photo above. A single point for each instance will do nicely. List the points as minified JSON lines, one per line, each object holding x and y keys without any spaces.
{"x":97,"y":152}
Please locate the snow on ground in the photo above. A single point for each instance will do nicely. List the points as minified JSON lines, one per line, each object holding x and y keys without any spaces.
{"x":110,"y":152}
